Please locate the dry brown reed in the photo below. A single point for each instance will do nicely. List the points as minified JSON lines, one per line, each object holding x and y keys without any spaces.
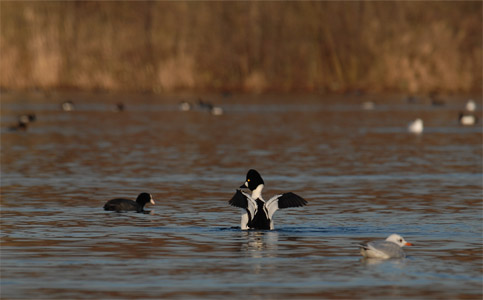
{"x":397,"y":46}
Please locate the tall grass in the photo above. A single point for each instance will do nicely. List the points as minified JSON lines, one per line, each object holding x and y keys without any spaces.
{"x":242,"y":46}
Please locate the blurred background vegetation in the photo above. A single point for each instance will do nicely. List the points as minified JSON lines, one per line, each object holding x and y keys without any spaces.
{"x":410,"y":47}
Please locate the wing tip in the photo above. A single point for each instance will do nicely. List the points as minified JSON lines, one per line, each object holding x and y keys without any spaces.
{"x":291,"y":200}
{"x":237,"y":197}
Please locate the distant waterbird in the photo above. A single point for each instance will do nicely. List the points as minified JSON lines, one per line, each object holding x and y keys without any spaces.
{"x":467,"y":119}
{"x":27,"y":118}
{"x":67,"y":105}
{"x":210,"y":107}
{"x":23,"y":121}
{"x":368,"y":105}
{"x":204,"y":105}
{"x":119,"y":107}
{"x":184,"y":106}
{"x":416,"y":126}
{"x":216,"y":111}
{"x":470,"y":105}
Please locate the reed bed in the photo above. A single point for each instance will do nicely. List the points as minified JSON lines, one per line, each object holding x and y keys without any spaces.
{"x":411,"y":47}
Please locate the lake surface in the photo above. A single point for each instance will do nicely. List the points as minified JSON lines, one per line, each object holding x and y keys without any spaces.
{"x":363,"y":175}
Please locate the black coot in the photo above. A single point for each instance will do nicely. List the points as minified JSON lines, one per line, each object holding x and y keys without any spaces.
{"x":119,"y":204}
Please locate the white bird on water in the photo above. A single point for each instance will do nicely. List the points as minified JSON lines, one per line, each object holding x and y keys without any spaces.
{"x":467,"y":119}
{"x":184,"y":106}
{"x":470,"y":105}
{"x":416,"y":126}
{"x":389,"y":248}
{"x":68,"y":106}
{"x":368,"y":105}
{"x":216,"y":111}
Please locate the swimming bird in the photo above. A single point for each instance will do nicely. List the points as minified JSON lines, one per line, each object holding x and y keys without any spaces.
{"x":184,"y":106}
{"x":416,"y":126}
{"x":258,"y":213}
{"x":208,"y":106}
{"x":22,"y":122}
{"x":470,"y":105}
{"x":467,"y":119}
{"x":119,"y":107}
{"x":26,"y":118}
{"x":120,"y":204}
{"x":216,"y":111}
{"x":204,"y":105}
{"x":68,"y":106}
{"x":389,"y":248}
{"x":368,"y":105}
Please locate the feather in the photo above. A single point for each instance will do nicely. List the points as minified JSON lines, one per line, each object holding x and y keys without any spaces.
{"x":285,"y":200}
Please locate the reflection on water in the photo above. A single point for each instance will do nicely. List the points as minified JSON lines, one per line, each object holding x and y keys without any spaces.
{"x":362,"y":174}
{"x":258,"y":244}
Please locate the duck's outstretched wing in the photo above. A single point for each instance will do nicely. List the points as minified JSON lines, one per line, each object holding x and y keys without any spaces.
{"x":284,"y":201}
{"x":245,"y":201}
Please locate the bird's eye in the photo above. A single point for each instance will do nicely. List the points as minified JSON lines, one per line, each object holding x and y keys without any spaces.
{"x":248,"y":180}
{"x":400,"y":241}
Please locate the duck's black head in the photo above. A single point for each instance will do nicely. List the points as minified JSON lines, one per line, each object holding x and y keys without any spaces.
{"x":254,"y":179}
{"x":144,"y":198}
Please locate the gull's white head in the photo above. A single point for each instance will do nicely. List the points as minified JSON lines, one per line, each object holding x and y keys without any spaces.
{"x":399,"y":240}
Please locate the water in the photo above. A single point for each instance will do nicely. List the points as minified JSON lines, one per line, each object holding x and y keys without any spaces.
{"x":363,"y":175}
